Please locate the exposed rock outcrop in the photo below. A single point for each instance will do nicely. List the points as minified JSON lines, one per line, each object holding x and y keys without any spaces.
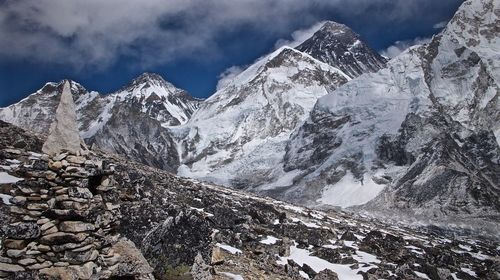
{"x":64,"y":135}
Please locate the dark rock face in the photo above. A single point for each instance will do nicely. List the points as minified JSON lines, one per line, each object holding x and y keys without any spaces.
{"x":337,"y":45}
{"x":177,"y":241}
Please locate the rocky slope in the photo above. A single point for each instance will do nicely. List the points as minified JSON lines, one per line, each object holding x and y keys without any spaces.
{"x":69,"y":217}
{"x":424,"y":131}
{"x":131,"y":122}
{"x":239,"y":134}
{"x":340,"y":47}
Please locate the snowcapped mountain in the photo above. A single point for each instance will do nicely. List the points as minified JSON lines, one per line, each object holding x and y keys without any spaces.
{"x":239,"y":134}
{"x":421,"y":136}
{"x":132,"y":121}
{"x":339,"y":46}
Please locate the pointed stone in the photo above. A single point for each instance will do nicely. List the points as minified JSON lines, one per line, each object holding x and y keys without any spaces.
{"x":64,"y":134}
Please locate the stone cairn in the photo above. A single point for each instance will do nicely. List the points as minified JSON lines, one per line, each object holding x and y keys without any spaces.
{"x":61,"y":225}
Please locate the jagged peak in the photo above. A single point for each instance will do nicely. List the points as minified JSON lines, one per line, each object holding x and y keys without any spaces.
{"x":335,"y":27}
{"x":50,"y":87}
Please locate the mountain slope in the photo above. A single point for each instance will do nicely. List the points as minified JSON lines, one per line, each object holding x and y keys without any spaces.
{"x":88,"y":206}
{"x":340,"y":47}
{"x":238,"y":135}
{"x":424,"y":131}
{"x":132,"y":121}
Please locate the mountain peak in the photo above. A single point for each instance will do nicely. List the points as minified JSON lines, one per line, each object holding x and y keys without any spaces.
{"x":75,"y":87}
{"x":332,"y":26}
{"x":149,"y":78}
{"x":338,"y":45}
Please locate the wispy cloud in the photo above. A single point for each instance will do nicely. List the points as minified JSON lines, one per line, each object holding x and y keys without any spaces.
{"x":400,"y":46}
{"x":440,"y":25}
{"x":299,"y":36}
{"x":228,"y":74}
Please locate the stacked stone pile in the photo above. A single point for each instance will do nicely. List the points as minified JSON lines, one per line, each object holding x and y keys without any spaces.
{"x":62,"y":221}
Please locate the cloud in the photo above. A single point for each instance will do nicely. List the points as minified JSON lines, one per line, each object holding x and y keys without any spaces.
{"x":228,"y":74}
{"x":92,"y":34}
{"x":400,"y":46}
{"x":440,"y":25}
{"x":299,"y":36}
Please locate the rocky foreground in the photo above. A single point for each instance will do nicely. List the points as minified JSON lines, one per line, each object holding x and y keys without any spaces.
{"x":97,"y":216}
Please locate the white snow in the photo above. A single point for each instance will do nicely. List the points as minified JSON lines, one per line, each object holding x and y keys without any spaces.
{"x":228,"y":248}
{"x":349,"y":192}
{"x":5,"y":198}
{"x":270,"y":240}
{"x":5,"y":178}
{"x":469,"y":271}
{"x":233,"y":276}
{"x":303,"y":256}
{"x":421,"y":275}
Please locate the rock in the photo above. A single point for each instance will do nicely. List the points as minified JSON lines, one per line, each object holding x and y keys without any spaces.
{"x":80,"y":257}
{"x":26,"y":262}
{"x":76,"y":159}
{"x":15,"y":253}
{"x":57,"y":273}
{"x":349,"y":236}
{"x":326,"y":275}
{"x":131,"y":261}
{"x":75,"y":226}
{"x":177,"y":242}
{"x":80,"y":193}
{"x":7,"y":267}
{"x":62,"y":237}
{"x":200,"y":270}
{"x":55,"y":165}
{"x":39,"y":266}
{"x":47,"y":225}
{"x":217,"y":256}
{"x":64,"y":134}
{"x":14,"y":244}
{"x":22,"y":230}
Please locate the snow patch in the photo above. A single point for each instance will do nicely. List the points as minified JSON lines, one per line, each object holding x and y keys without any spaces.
{"x":5,"y":178}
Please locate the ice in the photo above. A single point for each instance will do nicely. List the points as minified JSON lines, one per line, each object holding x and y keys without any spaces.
{"x":469,"y":271}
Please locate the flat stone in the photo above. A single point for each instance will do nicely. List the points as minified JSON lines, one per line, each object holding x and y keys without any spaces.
{"x":62,"y":238}
{"x":13,"y":253}
{"x":40,"y":265}
{"x":22,"y":230}
{"x":50,"y":231}
{"x":33,"y":252}
{"x":7,"y":267}
{"x":42,"y":221}
{"x":18,"y":200}
{"x":14,"y":244}
{"x":75,"y":226}
{"x":46,"y":226}
{"x":84,"y":248}
{"x":37,"y":206}
{"x":43,"y":248}
{"x":26,"y":262}
{"x":55,"y":165}
{"x":60,"y":156}
{"x":76,"y":159}
{"x":61,"y":264}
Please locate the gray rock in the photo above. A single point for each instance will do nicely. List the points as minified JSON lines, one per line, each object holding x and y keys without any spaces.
{"x":64,"y":134}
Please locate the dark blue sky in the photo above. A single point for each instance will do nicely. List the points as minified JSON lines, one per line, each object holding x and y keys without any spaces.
{"x":190,"y":47}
